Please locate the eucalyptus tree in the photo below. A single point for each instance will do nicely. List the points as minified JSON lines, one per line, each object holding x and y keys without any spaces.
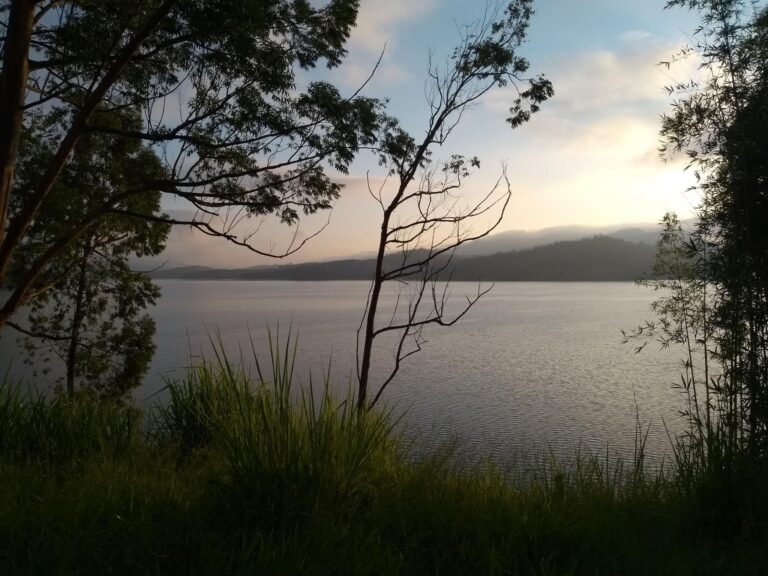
{"x":428,"y":215}
{"x":215,"y":85}
{"x":90,"y":310}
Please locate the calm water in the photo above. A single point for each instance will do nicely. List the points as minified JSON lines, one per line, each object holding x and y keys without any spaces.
{"x":532,"y":365}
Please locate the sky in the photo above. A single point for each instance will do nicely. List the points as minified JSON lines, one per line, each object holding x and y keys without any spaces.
{"x":588,"y":158}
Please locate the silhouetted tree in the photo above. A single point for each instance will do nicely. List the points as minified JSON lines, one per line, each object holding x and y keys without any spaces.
{"x":721,"y":123}
{"x":90,"y":310}
{"x":214,"y":84}
{"x":424,"y":220}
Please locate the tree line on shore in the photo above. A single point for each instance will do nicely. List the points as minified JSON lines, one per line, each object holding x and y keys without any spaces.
{"x":600,"y":258}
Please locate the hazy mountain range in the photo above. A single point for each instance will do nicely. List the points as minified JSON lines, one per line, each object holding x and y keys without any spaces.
{"x":521,"y":239}
{"x":599,"y":258}
{"x":509,"y":241}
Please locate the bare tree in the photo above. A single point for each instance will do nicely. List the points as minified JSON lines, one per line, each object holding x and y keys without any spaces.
{"x":428,"y":216}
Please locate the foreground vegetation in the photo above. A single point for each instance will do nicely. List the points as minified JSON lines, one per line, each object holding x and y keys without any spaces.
{"x":240,"y":475}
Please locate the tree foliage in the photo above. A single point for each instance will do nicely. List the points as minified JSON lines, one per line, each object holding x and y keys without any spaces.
{"x":721,"y":124}
{"x":91,"y":314}
{"x":214,"y":84}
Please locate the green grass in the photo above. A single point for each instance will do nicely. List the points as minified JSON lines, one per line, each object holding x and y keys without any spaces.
{"x":241,"y":474}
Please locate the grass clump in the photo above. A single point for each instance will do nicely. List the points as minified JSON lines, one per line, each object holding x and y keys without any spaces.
{"x":63,"y":430}
{"x":282,"y":452}
{"x":243,"y":474}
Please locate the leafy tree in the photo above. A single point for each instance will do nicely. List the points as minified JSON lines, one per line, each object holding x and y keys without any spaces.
{"x":91,"y":315}
{"x":721,"y":123}
{"x":215,"y":85}
{"x":425,"y":219}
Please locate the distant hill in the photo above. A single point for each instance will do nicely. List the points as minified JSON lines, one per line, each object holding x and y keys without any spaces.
{"x":591,"y":259}
{"x":522,"y":240}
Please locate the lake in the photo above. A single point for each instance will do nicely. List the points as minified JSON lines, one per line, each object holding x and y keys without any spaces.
{"x":532,"y":366}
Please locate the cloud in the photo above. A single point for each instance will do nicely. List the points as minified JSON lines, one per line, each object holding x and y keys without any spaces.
{"x":378,"y":22}
{"x":624,"y":138}
{"x":636,"y":37}
{"x":357,"y":70}
{"x":591,"y":155}
{"x":602,"y":83}
{"x":378,"y":30}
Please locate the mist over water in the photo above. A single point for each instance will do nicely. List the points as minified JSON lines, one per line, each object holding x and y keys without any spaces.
{"x":532,"y":366}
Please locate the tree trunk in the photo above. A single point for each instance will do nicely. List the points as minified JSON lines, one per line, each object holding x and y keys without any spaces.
{"x":370,"y":319}
{"x":13,"y":87}
{"x":18,"y":228}
{"x":77,"y":323}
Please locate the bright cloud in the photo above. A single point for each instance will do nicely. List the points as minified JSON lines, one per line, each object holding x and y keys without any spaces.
{"x":378,"y":22}
{"x":591,"y":155}
{"x":378,"y":31}
{"x":595,"y":84}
